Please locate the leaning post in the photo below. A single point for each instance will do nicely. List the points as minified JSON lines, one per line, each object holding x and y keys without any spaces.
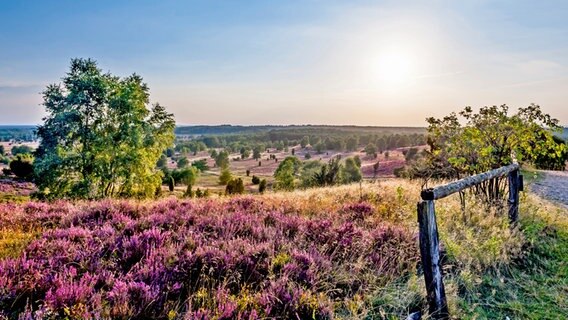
{"x":430,"y":255}
{"x":514,"y":185}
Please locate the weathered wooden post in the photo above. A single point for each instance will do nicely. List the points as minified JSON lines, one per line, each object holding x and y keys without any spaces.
{"x":430,"y":255}
{"x":514,"y":185}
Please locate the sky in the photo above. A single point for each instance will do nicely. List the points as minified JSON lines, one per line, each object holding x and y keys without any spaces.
{"x":295,"y":62}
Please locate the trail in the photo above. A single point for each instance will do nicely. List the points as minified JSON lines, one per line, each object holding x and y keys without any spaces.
{"x":553,"y":185}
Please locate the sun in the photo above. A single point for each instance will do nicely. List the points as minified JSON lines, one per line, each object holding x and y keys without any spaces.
{"x":394,"y":68}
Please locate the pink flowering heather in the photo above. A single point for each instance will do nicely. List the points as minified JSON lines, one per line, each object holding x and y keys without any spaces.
{"x":237,"y":259}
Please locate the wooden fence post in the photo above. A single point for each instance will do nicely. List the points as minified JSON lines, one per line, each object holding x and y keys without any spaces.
{"x":513,"y":201}
{"x":430,"y":255}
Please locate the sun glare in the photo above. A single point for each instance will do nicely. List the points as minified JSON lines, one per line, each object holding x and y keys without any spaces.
{"x":394,"y":69}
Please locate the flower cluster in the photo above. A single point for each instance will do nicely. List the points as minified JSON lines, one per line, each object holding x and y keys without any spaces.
{"x":205,"y":259}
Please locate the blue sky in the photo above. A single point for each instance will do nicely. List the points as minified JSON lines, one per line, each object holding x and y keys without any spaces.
{"x":295,"y":62}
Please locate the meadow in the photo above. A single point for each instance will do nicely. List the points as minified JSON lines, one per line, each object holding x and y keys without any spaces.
{"x":346,"y":252}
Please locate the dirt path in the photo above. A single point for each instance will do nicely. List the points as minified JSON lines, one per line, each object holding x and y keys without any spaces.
{"x":553,"y":185}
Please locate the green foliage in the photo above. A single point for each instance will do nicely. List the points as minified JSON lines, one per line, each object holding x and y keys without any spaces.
{"x":255,"y":180}
{"x":162,"y":161}
{"x":256,"y":152}
{"x":100,"y":137}
{"x":357,"y":161}
{"x":284,"y":174}
{"x":329,"y":173}
{"x":492,"y":138}
{"x":262,"y":186}
{"x":371,"y":150}
{"x":308,"y":171}
{"x":225,"y":176}
{"x":2,"y":150}
{"x":22,"y":166}
{"x":352,"y":143}
{"x":295,"y":162}
{"x":201,"y":165}
{"x":187,"y":176}
{"x":22,"y":149}
{"x":245,"y":153}
{"x":554,"y":159}
{"x":350,"y":172}
{"x":222,"y":159}
{"x":319,"y":147}
{"x":235,"y":186}
{"x":189,"y":191}
{"x":410,"y":154}
{"x":182,"y":162}
{"x":305,"y":141}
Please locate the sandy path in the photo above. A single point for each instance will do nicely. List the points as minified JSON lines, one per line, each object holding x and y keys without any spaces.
{"x":553,"y":186}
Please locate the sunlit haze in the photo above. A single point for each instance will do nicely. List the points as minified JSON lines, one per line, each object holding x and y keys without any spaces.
{"x":295,"y":62}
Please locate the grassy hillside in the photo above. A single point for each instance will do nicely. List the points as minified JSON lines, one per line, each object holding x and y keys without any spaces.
{"x":344,"y":252}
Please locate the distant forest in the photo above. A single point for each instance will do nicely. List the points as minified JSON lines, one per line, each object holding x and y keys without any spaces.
{"x":291,"y":132}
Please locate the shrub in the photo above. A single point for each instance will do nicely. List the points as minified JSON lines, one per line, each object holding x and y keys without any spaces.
{"x":22,"y":166}
{"x":235,"y":186}
{"x":262,"y":186}
{"x":255,"y":180}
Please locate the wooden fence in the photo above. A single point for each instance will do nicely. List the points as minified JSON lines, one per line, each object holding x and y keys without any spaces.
{"x":428,"y":229}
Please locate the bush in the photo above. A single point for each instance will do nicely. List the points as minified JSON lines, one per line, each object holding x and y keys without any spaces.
{"x":262,"y":186}
{"x":255,"y":180}
{"x":21,"y":150}
{"x":22,"y":166}
{"x":235,"y":186}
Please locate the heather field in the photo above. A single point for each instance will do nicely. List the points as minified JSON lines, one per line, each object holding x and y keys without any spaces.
{"x":343,"y":252}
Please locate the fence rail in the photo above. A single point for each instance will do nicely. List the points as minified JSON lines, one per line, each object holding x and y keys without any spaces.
{"x":428,"y":229}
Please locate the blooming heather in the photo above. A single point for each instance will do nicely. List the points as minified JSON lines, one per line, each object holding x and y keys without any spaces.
{"x":206,"y":259}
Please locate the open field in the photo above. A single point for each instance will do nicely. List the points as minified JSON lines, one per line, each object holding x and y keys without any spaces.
{"x":341,"y":252}
{"x":238,"y":167}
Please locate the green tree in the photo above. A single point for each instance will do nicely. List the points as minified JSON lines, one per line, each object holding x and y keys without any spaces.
{"x":319,"y":147}
{"x":491,"y":138}
{"x":22,"y":165}
{"x":305,"y":141}
{"x":357,"y":161}
{"x":182,"y":162}
{"x":201,"y":165}
{"x":245,"y":153}
{"x":222,"y":159}
{"x":371,"y":150}
{"x":225,"y":176}
{"x":309,"y":169}
{"x":256,"y":152}
{"x":100,"y":138}
{"x":284,"y":175}
{"x":350,"y":172}
{"x":188,"y":176}
{"x":329,"y":173}
{"x":352,"y":143}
